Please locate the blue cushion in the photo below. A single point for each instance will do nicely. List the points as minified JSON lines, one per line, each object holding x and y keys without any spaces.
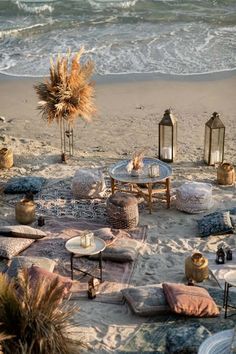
{"x":24,"y":185}
{"x":215,"y":223}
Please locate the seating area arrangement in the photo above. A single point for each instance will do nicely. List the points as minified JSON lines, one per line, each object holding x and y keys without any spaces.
{"x":42,"y":248}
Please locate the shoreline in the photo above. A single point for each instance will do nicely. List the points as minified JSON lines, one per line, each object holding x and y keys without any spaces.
{"x":136,"y":77}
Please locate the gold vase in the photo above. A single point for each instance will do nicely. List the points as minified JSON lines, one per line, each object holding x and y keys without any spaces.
{"x":25,"y":211}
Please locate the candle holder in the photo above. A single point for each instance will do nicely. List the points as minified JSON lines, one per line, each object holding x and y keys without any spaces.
{"x":87,"y":239}
{"x":220,"y":256}
{"x":214,"y":140}
{"x":229,"y":255}
{"x":154,"y":170}
{"x":168,"y":137}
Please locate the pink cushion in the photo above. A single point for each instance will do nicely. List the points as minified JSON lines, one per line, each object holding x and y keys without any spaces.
{"x":190,"y":300}
{"x":39,"y":274}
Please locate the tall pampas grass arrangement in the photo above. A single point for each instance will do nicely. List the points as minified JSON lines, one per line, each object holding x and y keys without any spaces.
{"x":33,"y":320}
{"x":68,"y":94}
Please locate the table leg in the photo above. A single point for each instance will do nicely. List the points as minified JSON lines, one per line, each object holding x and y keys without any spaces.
{"x":112,"y":185}
{"x":226,"y":296}
{"x":168,"y":192}
{"x":71,"y":265}
{"x":150,"y":197}
{"x":100,"y":265}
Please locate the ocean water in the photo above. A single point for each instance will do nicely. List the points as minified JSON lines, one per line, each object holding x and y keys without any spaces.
{"x":173,"y":37}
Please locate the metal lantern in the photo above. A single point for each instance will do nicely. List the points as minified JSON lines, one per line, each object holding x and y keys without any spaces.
{"x":168,"y":137}
{"x":214,"y":140}
{"x":220,"y":256}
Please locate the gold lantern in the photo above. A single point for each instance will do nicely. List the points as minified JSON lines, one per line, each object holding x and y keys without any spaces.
{"x":168,"y":137}
{"x":214,"y":140}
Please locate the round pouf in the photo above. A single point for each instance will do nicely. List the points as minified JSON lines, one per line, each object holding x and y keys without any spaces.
{"x":122,"y":211}
{"x":194,"y":197}
{"x":88,"y":183}
{"x":196,"y":267}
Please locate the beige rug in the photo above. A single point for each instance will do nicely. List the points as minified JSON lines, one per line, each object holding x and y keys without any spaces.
{"x":116,"y":275}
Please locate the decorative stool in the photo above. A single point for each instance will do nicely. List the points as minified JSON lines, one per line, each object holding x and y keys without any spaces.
{"x":226,"y":174}
{"x":194,"y":197}
{"x":122,"y":211}
{"x":196,"y":267}
{"x":88,"y":183}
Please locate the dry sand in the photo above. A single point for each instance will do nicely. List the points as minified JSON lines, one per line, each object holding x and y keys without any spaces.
{"x":127,"y":119}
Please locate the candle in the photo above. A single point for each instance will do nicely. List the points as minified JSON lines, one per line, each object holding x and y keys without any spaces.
{"x":215,"y":156}
{"x":167,"y":153}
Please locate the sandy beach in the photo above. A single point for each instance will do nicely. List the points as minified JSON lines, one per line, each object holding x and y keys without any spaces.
{"x":127,"y":119}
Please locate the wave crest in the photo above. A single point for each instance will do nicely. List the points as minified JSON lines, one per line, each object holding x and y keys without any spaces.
{"x":101,"y":4}
{"x":34,"y":9}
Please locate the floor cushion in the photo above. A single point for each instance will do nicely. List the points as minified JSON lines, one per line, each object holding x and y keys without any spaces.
{"x":12,"y":246}
{"x":24,"y":185}
{"x":88,"y":183}
{"x":17,"y":263}
{"x":23,"y":231}
{"x":215,"y":223}
{"x":190,"y":300}
{"x":121,"y":250}
{"x":106,"y":234}
{"x":194,"y":197}
{"x":37,"y":274}
{"x":148,"y":300}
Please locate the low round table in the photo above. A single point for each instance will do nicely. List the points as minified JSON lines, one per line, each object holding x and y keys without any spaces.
{"x":76,"y":250}
{"x":219,"y":343}
{"x":119,"y":175}
{"x":230,"y":281}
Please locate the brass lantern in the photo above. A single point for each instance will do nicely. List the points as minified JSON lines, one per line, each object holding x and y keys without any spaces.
{"x":214,"y":140}
{"x":168,"y":137}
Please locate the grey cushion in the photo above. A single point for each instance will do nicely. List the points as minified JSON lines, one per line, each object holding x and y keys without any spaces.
{"x":121,"y":250}
{"x":24,"y":184}
{"x":105,"y":233}
{"x":215,"y":223}
{"x":21,"y":231}
{"x":12,"y":246}
{"x":148,"y":300}
{"x":17,"y":263}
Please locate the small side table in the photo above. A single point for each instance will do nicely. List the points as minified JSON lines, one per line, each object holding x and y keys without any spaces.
{"x":230,"y":281}
{"x":76,"y":250}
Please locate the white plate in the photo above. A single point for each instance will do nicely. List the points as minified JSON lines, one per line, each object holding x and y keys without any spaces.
{"x":219,"y":343}
{"x":73,"y":246}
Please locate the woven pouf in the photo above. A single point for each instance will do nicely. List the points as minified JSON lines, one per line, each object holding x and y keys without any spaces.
{"x":88,"y":183}
{"x":196,"y":267}
{"x":194,"y":197}
{"x":122,"y":211}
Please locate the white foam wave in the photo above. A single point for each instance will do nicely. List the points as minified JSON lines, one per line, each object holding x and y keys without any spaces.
{"x":108,"y":4}
{"x":34,"y":9}
{"x":16,"y":31}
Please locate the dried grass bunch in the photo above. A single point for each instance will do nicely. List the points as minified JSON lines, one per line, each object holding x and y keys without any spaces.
{"x":33,"y":319}
{"x":68,"y":93}
{"x":137,"y":159}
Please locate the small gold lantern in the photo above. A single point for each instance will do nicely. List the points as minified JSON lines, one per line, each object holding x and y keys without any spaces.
{"x":87,"y":239}
{"x":214,"y":140}
{"x":168,"y":137}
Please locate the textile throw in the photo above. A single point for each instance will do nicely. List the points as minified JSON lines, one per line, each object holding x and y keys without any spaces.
{"x":116,"y":275}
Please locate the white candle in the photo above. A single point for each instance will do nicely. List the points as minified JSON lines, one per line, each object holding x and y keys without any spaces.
{"x":167,"y":153}
{"x":215,"y":156}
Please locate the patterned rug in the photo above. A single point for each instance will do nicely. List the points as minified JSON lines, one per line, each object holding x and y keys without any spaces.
{"x":116,"y":275}
{"x":150,"y":337}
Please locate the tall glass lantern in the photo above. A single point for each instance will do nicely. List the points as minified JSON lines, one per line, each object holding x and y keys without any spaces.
{"x":214,"y":140}
{"x":168,"y":137}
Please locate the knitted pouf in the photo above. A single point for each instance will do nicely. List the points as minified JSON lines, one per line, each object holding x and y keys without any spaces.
{"x":122,"y":211}
{"x":194,"y":197}
{"x":88,"y":183}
